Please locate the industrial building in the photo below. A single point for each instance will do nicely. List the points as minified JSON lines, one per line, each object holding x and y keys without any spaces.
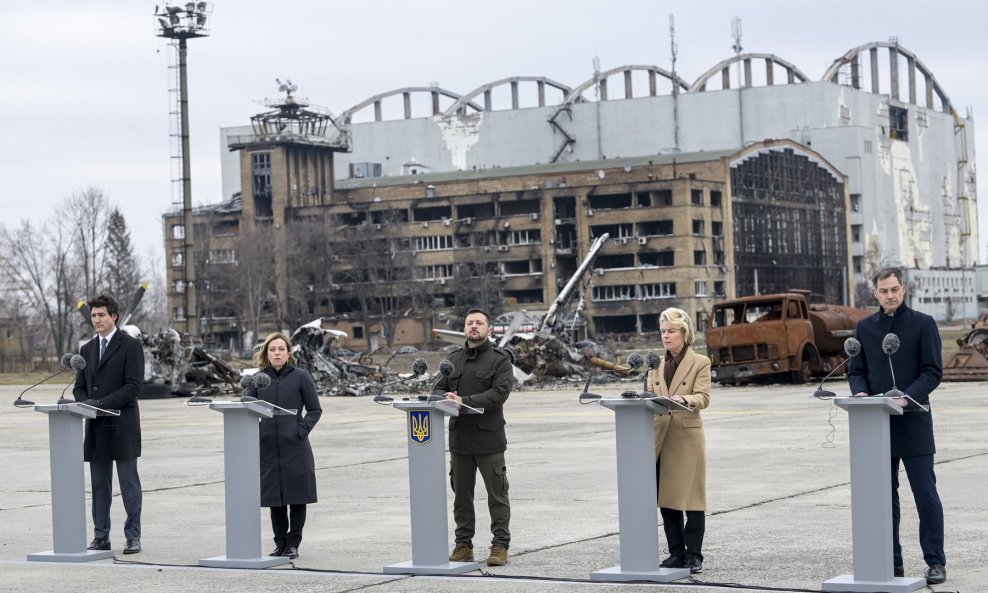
{"x":752,"y":178}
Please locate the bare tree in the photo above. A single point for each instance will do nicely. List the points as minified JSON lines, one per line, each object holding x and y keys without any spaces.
{"x":380,"y":277}
{"x":253,"y":293}
{"x":87,"y":213}
{"x":309,"y":265}
{"x":36,"y":259}
{"x":477,"y":285}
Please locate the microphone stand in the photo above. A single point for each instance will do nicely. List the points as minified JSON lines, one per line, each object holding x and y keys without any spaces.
{"x":386,"y":400}
{"x":822,"y":393}
{"x":25,"y":403}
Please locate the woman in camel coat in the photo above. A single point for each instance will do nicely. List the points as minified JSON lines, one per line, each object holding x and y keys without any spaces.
{"x":680,"y":446}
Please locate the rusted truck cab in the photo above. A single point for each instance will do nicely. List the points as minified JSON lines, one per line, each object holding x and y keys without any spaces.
{"x":762,"y":335}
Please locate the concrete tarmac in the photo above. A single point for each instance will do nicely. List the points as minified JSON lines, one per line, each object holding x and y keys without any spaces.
{"x":779,"y":514}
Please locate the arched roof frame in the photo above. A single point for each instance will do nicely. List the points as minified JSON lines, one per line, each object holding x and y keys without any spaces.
{"x":406,"y":93}
{"x":576,"y":95}
{"x":486,"y":90}
{"x":793,"y":74}
{"x":913,"y":63}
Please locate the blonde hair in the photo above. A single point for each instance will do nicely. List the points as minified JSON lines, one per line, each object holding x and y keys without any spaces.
{"x":680,"y":320}
{"x":261,"y":350}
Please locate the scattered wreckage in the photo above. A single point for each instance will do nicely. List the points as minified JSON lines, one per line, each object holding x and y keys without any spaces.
{"x":970,"y":363}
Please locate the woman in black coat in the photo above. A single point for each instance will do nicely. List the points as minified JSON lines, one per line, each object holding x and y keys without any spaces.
{"x":288,"y":470}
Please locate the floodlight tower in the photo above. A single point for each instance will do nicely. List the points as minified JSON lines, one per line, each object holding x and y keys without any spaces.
{"x":181,"y":23}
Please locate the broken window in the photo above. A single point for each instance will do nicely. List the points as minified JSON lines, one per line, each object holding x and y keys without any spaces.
{"x":715,"y":198}
{"x":432,"y":243}
{"x":699,"y":258}
{"x":661,"y":290}
{"x":655,"y":228}
{"x":698,"y":227}
{"x":661,"y":259}
{"x":696,"y":197}
{"x":898,"y":123}
{"x":618,"y":292}
{"x":611,"y":201}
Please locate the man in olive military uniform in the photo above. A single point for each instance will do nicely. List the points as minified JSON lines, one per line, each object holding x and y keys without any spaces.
{"x":482,"y":378}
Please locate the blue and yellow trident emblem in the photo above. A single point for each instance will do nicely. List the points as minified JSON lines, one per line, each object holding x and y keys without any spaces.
{"x":420,"y":426}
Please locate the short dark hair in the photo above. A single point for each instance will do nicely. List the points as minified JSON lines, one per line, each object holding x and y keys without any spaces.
{"x":107,"y":301}
{"x":481,"y":311}
{"x":887,"y":272}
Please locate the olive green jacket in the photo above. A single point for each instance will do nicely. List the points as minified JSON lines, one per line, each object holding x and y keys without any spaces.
{"x":482,"y":376}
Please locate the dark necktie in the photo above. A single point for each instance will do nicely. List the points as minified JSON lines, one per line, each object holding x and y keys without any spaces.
{"x":102,"y":347}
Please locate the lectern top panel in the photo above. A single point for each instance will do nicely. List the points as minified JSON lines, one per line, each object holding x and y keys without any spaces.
{"x":876,"y":401}
{"x":634,"y":402}
{"x":73,"y":408}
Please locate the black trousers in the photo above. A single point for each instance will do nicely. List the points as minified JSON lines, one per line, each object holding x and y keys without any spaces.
{"x":923,"y":482}
{"x":684,"y":540}
{"x":287,"y":526}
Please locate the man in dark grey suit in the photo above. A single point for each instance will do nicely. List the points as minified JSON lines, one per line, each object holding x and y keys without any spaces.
{"x":112,"y":380}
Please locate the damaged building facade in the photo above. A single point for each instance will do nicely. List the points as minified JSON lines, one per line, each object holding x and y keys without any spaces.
{"x":875,"y":159}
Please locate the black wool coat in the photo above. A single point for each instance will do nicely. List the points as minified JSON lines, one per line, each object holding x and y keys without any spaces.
{"x":288,"y":469}
{"x":918,"y":366}
{"x":116,"y":381}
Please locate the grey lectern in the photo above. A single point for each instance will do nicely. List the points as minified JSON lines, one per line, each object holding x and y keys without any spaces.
{"x":68,"y":485}
{"x":427,"y":489}
{"x":242,"y":466}
{"x":638,"y":516}
{"x":871,"y":500}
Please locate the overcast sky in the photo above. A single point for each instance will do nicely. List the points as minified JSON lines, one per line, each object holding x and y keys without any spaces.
{"x":84,"y":85}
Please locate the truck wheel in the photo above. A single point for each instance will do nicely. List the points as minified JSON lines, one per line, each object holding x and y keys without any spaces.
{"x":802,"y":375}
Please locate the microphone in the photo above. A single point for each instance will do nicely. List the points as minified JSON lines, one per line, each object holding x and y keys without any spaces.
{"x":199,"y":397}
{"x":652,"y":361}
{"x":634,"y":360}
{"x":65,"y":362}
{"x":419,"y":366}
{"x":76,"y":363}
{"x":446,"y":368}
{"x":852,"y":348}
{"x":255,"y":381}
{"x":890,"y":345}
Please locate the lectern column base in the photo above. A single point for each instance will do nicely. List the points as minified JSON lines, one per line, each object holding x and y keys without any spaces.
{"x":262,"y":562}
{"x":846,"y":582}
{"x":425,"y":569}
{"x":662,"y":575}
{"x":84,"y":556}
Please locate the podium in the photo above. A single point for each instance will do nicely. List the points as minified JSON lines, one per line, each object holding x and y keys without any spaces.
{"x":68,"y":486}
{"x":427,"y":479}
{"x":871,"y":499}
{"x":638,"y":515}
{"x":242,"y":472}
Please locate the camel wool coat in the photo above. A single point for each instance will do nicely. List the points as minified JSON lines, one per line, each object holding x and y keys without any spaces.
{"x":679,"y":438}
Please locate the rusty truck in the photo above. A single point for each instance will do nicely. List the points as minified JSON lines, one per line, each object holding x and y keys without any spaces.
{"x":778,"y":334}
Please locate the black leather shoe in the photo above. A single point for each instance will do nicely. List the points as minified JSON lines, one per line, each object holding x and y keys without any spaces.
{"x":133,"y":547}
{"x":291,"y":552}
{"x":99,"y":543}
{"x":936,"y":574}
{"x":695,"y":565}
{"x":898,"y":570}
{"x":278,"y":551}
{"x":673,"y":562}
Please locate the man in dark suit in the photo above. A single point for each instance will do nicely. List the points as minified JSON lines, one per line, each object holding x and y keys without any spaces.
{"x":112,"y":380}
{"x":918,"y":368}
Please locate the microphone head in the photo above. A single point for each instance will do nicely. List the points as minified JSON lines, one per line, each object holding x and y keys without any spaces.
{"x":67,"y":360}
{"x":446,"y":368}
{"x":635,"y":361}
{"x":653,"y":360}
{"x":247,"y":381}
{"x":419,"y":366}
{"x":77,"y":362}
{"x":890,"y":344}
{"x":261,"y":380}
{"x":852,"y":347}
